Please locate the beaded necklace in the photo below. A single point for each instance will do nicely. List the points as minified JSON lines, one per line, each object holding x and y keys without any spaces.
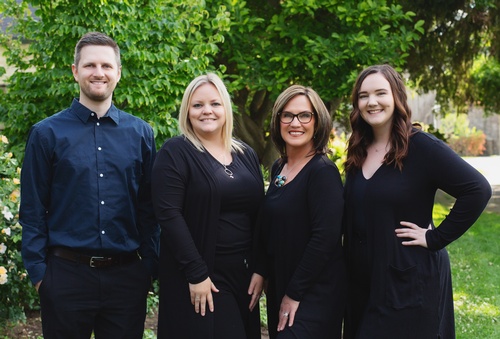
{"x":281,"y":179}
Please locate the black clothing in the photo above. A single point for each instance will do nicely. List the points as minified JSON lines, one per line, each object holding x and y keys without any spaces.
{"x":232,"y":318}
{"x":77,"y":299}
{"x":234,"y":234}
{"x":401,"y":291}
{"x":191,"y":195}
{"x":301,"y":224}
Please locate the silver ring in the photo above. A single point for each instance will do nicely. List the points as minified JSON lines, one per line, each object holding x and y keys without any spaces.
{"x":285,"y":314}
{"x":197,"y":299}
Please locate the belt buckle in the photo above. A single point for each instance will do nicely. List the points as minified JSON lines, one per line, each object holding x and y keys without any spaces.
{"x":92,"y":259}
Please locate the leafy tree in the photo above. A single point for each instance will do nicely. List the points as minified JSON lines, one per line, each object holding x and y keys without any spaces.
{"x":261,"y":46}
{"x":485,"y":84}
{"x":164,"y":45}
{"x":457,"y":34}
{"x":320,"y":43}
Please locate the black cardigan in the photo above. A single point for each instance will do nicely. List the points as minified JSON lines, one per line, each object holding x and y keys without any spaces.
{"x":189,"y":223}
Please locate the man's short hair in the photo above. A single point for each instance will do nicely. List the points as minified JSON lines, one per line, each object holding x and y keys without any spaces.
{"x":96,"y":39}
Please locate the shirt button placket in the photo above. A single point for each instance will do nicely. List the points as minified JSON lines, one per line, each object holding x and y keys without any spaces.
{"x":99,"y":169}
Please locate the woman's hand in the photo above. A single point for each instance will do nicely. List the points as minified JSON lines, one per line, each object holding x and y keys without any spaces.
{"x":255,"y":289}
{"x":413,"y":231}
{"x":288,"y":309}
{"x":201,"y":294}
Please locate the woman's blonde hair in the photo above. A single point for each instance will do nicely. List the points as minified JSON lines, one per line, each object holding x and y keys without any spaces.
{"x":185,"y":126}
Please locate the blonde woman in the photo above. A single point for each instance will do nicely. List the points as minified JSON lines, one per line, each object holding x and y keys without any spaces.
{"x":207,"y":188}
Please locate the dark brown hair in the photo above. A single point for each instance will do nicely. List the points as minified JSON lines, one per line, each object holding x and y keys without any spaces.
{"x":322,"y":119}
{"x":362,"y":133}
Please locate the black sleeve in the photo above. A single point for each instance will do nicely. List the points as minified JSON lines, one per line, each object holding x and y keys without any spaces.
{"x":325,"y":205}
{"x":472,"y":191}
{"x":169,"y":178}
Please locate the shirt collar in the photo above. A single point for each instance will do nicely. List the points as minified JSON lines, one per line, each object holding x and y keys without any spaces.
{"x":83,"y":113}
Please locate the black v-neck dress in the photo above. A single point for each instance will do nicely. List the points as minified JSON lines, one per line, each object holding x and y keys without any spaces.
{"x":398,"y":291}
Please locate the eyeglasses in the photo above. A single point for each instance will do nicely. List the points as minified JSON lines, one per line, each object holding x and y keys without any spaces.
{"x":303,"y":117}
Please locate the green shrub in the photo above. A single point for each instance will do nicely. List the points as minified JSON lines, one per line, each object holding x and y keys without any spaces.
{"x":17,"y":294}
{"x":463,"y":139}
{"x":338,"y":147}
{"x":470,"y":146}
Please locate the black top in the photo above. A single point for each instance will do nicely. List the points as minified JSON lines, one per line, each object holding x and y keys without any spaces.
{"x":302,"y":229}
{"x":86,"y":184}
{"x":238,"y":195}
{"x":405,"y":291}
{"x":193,"y":204}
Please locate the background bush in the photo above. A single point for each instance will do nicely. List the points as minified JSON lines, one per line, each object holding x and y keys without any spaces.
{"x":17,"y":294}
{"x":463,"y":139}
{"x":470,"y":145}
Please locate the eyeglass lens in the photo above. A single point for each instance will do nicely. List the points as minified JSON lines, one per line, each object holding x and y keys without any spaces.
{"x":303,"y":117}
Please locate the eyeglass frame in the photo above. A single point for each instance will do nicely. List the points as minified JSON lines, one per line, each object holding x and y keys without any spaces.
{"x":295,"y":116}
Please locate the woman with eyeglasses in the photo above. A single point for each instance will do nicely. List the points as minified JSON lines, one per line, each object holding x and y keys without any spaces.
{"x":301,"y":222}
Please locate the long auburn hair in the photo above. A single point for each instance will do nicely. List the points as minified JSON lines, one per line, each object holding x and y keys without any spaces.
{"x":362,"y":133}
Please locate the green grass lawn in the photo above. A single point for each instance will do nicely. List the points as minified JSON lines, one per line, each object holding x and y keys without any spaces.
{"x":475,"y":265}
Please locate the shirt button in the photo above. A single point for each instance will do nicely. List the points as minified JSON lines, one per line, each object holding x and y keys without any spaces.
{"x":101,"y":175}
{"x":103,"y":232}
{"x":92,"y":114}
{"x":99,"y":148}
{"x":98,"y":124}
{"x":102,"y":202}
